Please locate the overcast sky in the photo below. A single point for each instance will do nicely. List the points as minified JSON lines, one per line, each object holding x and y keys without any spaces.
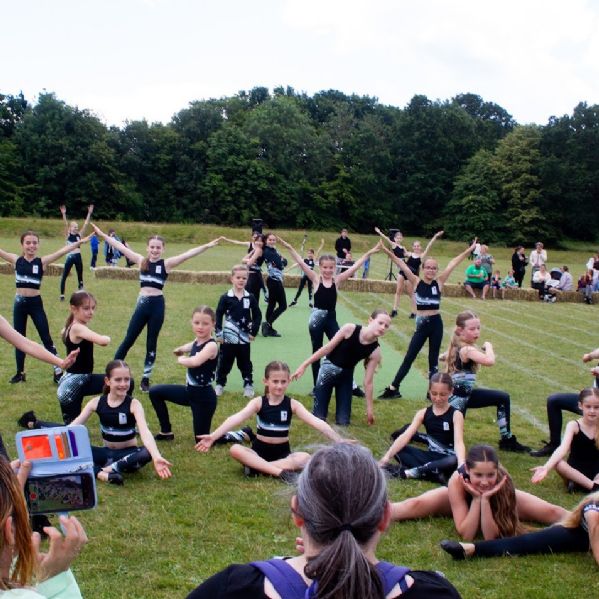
{"x":133,"y":59}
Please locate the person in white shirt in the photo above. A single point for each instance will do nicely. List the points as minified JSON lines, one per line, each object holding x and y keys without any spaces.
{"x":538,"y":257}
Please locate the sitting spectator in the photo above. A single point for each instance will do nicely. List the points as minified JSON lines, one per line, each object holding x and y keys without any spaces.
{"x":585,"y":285}
{"x":593,"y":265}
{"x":540,"y":280}
{"x":538,"y":258}
{"x":565,"y":283}
{"x":496,"y":284}
{"x":510,"y":281}
{"x":476,"y":278}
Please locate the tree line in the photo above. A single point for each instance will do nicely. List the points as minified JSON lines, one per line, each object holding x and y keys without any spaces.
{"x":322,"y":161}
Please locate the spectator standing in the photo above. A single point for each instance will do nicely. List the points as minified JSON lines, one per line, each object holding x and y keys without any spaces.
{"x":519,"y":263}
{"x":342,"y":248}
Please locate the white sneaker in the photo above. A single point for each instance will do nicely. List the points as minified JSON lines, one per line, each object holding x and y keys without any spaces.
{"x":219,"y":390}
{"x":248,"y":391}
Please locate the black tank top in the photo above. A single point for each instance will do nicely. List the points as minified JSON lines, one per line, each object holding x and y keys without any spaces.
{"x":325,"y":298}
{"x":274,"y":421}
{"x":440,"y":427}
{"x":414,"y":264}
{"x":584,"y":454}
{"x":399,"y":252}
{"x":428,"y":297}
{"x":84,"y":364}
{"x":116,"y":424}
{"x":28,"y":275}
{"x":73,"y":238}
{"x":202,"y":375}
{"x":155,"y":276}
{"x":350,"y":351}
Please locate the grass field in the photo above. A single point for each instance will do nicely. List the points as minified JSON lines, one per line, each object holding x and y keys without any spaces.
{"x":159,"y":539}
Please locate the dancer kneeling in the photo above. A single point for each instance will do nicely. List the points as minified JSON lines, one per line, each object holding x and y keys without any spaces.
{"x":270,"y":452}
{"x":482,"y":498}
{"x":341,"y":508}
{"x":444,"y":436}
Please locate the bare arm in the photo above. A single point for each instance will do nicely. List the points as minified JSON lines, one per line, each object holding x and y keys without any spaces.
{"x":346,"y":274}
{"x":89,"y":408}
{"x":458,"y":437}
{"x":183,"y":349}
{"x":404,"y":438}
{"x":235,"y":241}
{"x":63,"y":211}
{"x":61,"y":252}
{"x":208,"y":352}
{"x":593,"y":355}
{"x":403,"y":266}
{"x":540,"y":472}
{"x":252,"y":257}
{"x":371,"y":366}
{"x":465,"y":518}
{"x":161,"y":465}
{"x":454,"y":262}
{"x":381,"y":234}
{"x":320,"y":425}
{"x":300,"y":261}
{"x":9,"y":257}
{"x":174,"y":261}
{"x":317,"y":255}
{"x":81,"y":331}
{"x":90,"y":210}
{"x":115,"y":243}
{"x":429,"y":245}
{"x":485,"y":358}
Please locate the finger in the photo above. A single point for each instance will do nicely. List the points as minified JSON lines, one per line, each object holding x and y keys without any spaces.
{"x":23,"y":473}
{"x":36,"y":540}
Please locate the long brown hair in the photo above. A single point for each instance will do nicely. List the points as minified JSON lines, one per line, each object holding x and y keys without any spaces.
{"x":77,"y":299}
{"x":145,"y":263}
{"x":456,"y":343}
{"x":503,"y":503}
{"x":342,"y":496}
{"x":12,"y":504}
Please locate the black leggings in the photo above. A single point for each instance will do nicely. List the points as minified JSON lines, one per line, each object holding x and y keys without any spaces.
{"x":72,"y":260}
{"x":229,"y":352}
{"x":255,"y":284}
{"x":149,"y":311}
{"x":33,"y":307}
{"x":201,"y":400}
{"x":519,"y":276}
{"x":276,"y":297}
{"x":555,"y":404}
{"x":484,"y":398}
{"x":128,"y":459}
{"x":427,"y":327}
{"x":426,"y":462}
{"x":555,"y":539}
{"x":321,"y":323}
{"x":304,"y":280}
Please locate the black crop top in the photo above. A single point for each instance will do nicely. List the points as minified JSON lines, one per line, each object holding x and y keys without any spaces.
{"x":325,"y":298}
{"x":84,"y":364}
{"x":202,"y":375}
{"x":116,"y":424}
{"x":274,"y":421}
{"x":155,"y":276}
{"x":428,"y":297}
{"x":28,"y":275}
{"x":73,"y":237}
{"x":414,"y":264}
{"x":350,"y":351}
{"x":399,"y":251}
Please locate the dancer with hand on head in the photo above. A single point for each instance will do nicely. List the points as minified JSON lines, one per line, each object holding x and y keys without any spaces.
{"x":463,"y":360}
{"x":149,"y":310}
{"x":198,"y":393}
{"x":581,"y":441}
{"x":353,"y":343}
{"x":444,"y":436}
{"x":73,"y":235}
{"x":481,"y":498}
{"x":29,"y":271}
{"x":121,"y":417}
{"x":429,"y":325}
{"x":270,"y":452}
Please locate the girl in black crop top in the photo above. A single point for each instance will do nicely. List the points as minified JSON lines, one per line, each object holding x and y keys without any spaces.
{"x":121,"y":417}
{"x":323,"y":318}
{"x":350,"y":345}
{"x":149,"y":311}
{"x":29,"y":271}
{"x":270,"y":453}
{"x":198,"y":392}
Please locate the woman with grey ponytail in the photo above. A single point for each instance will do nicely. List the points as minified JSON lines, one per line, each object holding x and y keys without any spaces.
{"x":341,"y":508}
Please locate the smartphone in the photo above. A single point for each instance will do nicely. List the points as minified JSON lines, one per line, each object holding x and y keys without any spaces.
{"x":60,"y":493}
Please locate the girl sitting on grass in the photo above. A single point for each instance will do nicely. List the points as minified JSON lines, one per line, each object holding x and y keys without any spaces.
{"x":270,"y":452}
{"x":581,"y":440}
{"x":482,"y":498}
{"x":444,"y":436}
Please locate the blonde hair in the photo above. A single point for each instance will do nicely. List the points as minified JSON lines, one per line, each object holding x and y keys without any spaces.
{"x":456,"y":343}
{"x":572,"y":519}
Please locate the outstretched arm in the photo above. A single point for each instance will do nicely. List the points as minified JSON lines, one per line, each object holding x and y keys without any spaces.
{"x":115,"y":243}
{"x":381,"y":234}
{"x":593,"y":355}
{"x":90,"y":210}
{"x":173,"y":262}
{"x":320,"y":425}
{"x":90,"y":407}
{"x":404,"y":438}
{"x":317,"y":255}
{"x":403,"y":266}
{"x":299,"y":261}
{"x":161,"y":465}
{"x":441,"y":278}
{"x":62,"y":251}
{"x":9,"y":257}
{"x":429,"y":245}
{"x":346,"y":274}
{"x":63,"y":211}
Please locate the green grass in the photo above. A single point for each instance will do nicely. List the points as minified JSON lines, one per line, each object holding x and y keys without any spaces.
{"x":159,"y":539}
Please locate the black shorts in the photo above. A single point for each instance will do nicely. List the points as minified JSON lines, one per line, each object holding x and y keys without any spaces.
{"x":271,"y":452}
{"x":477,"y":284}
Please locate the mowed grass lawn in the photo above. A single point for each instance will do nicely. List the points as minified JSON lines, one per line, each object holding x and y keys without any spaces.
{"x":155,"y":538}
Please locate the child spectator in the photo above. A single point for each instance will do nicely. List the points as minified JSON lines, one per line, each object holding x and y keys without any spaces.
{"x":496,"y":285}
{"x":510,"y":281}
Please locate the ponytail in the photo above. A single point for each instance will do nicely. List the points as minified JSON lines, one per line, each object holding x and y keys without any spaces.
{"x":77,"y":299}
{"x":456,"y":343}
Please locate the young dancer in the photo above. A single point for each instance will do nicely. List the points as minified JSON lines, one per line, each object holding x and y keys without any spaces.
{"x":198,"y":393}
{"x":444,"y":436}
{"x":481,"y":498}
{"x":73,"y":235}
{"x":309,"y":261}
{"x":341,"y":509}
{"x":121,"y":418}
{"x":242,"y":316}
{"x":581,"y":440}
{"x":323,"y":318}
{"x":277,"y":301}
{"x":353,"y":343}
{"x":29,"y":270}
{"x":463,"y":360}
{"x":429,"y":325}
{"x":578,"y":531}
{"x":400,"y":251}
{"x":270,"y":452}
{"x":149,"y":311}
